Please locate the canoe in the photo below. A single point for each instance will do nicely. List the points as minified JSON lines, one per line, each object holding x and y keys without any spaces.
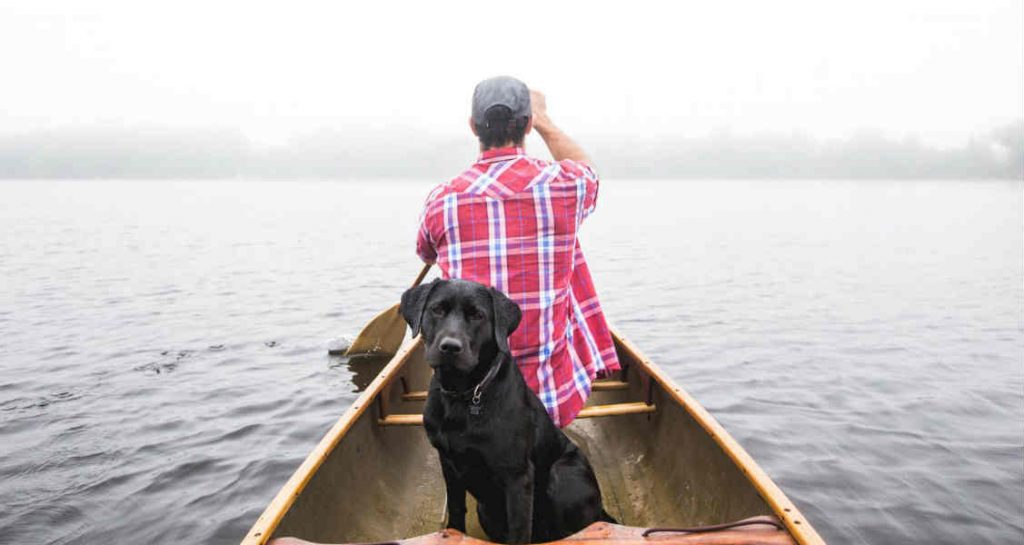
{"x":661,"y":459}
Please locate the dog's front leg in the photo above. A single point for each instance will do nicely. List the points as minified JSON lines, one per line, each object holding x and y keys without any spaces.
{"x":519,"y":506}
{"x":456,"y":501}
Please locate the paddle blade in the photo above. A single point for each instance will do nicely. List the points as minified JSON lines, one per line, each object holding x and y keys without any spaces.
{"x":383,"y":335}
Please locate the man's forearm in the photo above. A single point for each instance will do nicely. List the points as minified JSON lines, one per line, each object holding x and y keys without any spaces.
{"x":560,"y":145}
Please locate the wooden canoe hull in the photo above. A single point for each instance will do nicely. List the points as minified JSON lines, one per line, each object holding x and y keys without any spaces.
{"x":660,"y":458}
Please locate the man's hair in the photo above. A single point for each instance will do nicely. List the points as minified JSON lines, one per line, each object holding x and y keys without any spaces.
{"x":500,"y":128}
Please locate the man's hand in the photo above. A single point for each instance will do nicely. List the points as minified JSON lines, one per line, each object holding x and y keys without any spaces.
{"x":559,"y":143}
{"x":539,"y":110}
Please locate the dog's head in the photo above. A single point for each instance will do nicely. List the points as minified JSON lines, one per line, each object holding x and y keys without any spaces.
{"x":460,"y":321}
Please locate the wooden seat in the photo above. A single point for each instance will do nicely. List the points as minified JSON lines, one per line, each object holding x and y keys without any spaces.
{"x":598,"y":386}
{"x":612,"y":409}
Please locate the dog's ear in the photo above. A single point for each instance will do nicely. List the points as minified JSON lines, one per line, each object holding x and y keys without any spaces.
{"x":414,"y":301}
{"x":506,"y":318}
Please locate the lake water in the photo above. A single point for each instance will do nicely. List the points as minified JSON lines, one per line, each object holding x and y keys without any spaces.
{"x":163,"y":366}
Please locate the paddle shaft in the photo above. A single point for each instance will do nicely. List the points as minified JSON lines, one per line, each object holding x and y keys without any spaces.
{"x":422,"y":275}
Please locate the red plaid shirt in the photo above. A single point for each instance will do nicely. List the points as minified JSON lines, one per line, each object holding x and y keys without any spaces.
{"x":512,"y":222}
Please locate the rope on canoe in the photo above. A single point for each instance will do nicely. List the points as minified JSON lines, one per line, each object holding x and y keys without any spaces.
{"x":714,"y":527}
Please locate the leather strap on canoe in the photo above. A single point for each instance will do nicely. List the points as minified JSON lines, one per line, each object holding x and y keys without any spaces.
{"x":716,"y":527}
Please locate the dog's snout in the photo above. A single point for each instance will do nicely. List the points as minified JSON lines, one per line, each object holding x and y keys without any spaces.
{"x":449,"y":345}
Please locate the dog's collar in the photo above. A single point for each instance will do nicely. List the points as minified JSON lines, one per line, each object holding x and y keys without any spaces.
{"x":474,"y":394}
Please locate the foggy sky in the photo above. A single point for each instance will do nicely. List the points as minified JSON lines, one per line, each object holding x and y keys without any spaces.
{"x":938,"y":72}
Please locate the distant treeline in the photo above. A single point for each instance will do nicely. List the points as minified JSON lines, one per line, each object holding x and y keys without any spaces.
{"x":162,"y":153}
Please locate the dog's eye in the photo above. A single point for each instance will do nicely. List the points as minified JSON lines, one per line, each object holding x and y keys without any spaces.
{"x":437,"y":310}
{"x":475,"y":315}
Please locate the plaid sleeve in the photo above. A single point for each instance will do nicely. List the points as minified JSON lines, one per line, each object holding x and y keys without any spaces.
{"x":586,"y":178}
{"x":424,"y":248}
{"x":424,"y":243}
{"x":592,"y":183}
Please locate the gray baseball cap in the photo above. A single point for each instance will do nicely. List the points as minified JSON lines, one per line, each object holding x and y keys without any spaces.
{"x":501,"y":91}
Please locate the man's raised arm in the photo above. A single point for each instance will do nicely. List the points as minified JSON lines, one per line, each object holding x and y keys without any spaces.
{"x":559,"y":143}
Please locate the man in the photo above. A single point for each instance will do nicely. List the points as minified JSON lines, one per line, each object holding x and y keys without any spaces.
{"x":512,"y":222}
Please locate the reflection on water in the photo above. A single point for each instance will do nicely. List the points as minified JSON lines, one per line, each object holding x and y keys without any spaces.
{"x":362,"y":368}
{"x":163,"y":364}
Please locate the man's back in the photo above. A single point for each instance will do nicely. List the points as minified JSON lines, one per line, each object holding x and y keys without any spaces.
{"x":511,"y":221}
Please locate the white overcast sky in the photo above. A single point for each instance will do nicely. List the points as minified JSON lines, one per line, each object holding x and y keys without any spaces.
{"x":937,"y":70}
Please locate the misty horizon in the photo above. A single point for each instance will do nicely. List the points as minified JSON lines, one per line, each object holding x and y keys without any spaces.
{"x":161,"y":152}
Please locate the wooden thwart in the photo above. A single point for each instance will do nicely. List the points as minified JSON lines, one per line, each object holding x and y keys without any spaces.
{"x":402,"y":420}
{"x":599,"y":386}
{"x":420,"y":395}
{"x":605,"y":385}
{"x":614,"y":409}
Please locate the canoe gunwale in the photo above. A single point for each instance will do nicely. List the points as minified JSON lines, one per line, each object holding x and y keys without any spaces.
{"x":268,"y":522}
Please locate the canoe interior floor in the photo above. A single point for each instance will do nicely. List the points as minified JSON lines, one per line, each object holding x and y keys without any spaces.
{"x":382,"y":483}
{"x":634,"y":491}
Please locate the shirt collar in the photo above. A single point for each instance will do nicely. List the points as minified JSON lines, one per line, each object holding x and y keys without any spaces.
{"x":495,"y":155}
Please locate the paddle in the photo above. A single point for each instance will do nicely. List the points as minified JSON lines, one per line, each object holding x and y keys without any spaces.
{"x":384,"y":333}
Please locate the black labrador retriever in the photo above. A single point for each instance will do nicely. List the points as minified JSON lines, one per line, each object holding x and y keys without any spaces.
{"x":493,"y":436}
